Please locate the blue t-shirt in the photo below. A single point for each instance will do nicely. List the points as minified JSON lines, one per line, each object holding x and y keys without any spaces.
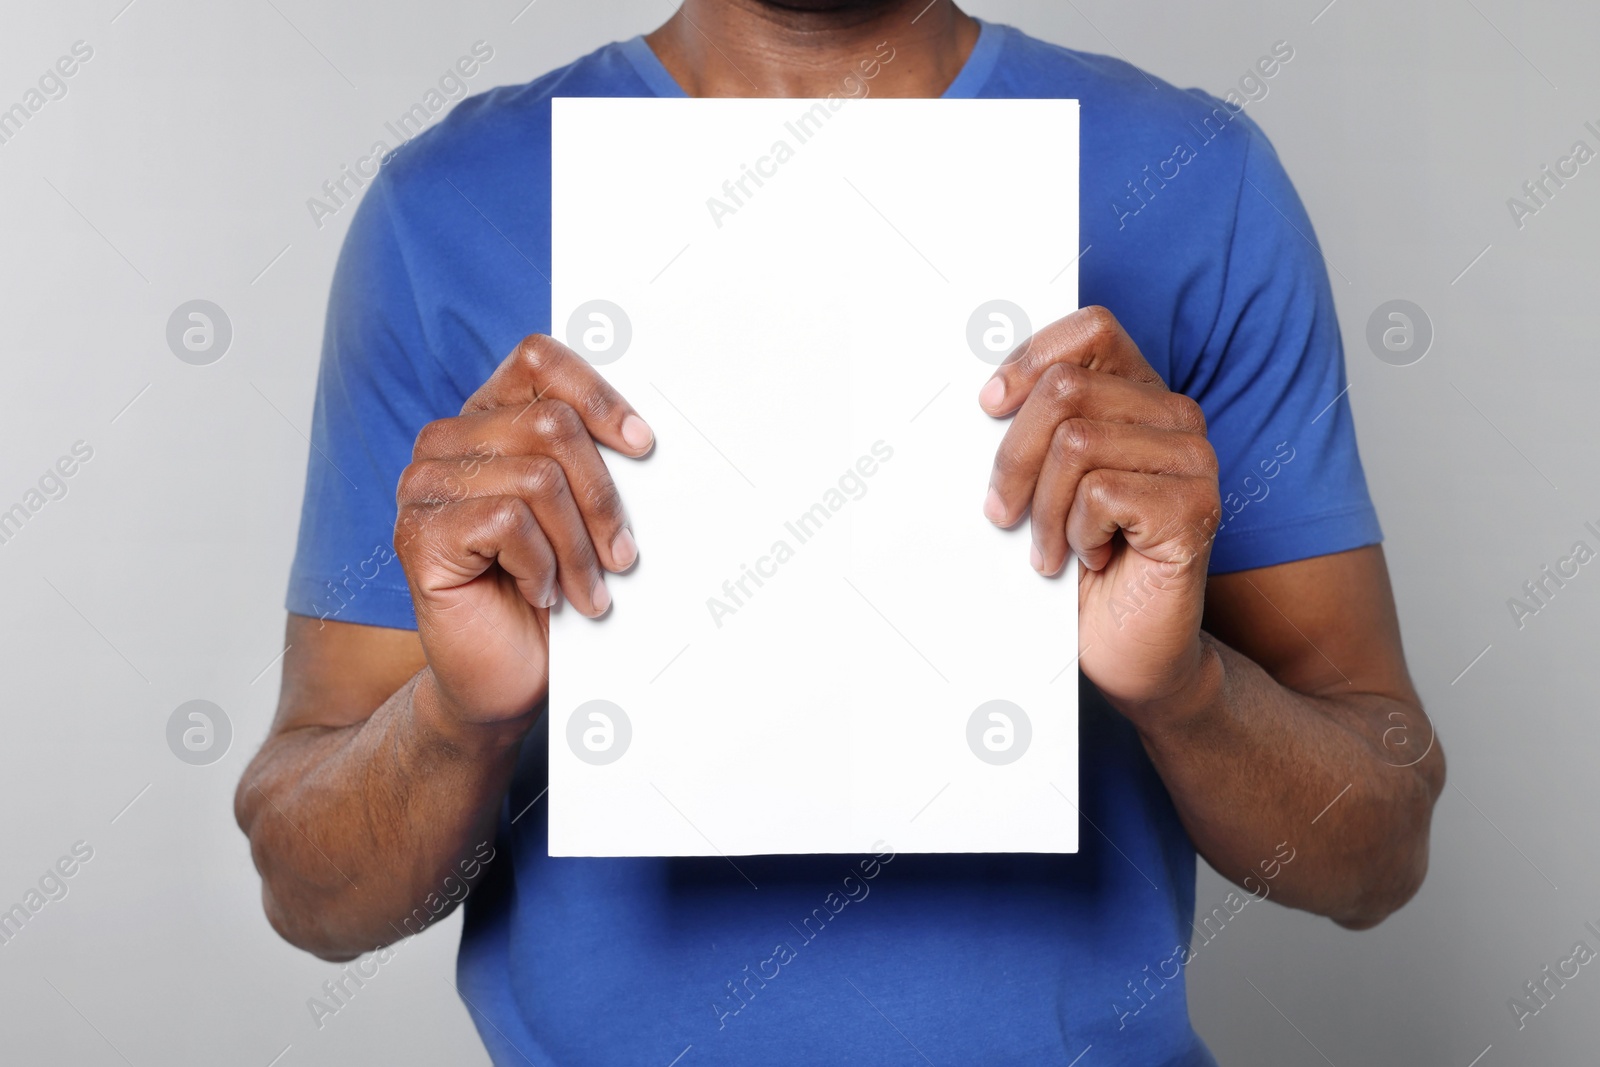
{"x":1197,"y":241}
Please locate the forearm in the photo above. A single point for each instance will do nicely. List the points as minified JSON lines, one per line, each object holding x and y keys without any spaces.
{"x":354,"y":828}
{"x":1252,"y":765}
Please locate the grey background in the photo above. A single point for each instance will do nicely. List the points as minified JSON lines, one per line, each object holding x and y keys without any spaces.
{"x":178,"y":166}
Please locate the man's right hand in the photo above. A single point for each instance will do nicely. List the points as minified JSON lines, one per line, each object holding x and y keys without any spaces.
{"x":506,"y":508}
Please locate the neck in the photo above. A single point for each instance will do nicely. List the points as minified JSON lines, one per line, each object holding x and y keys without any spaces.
{"x":810,"y":48}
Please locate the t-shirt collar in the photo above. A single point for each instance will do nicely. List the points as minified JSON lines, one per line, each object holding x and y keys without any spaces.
{"x":979,"y":65}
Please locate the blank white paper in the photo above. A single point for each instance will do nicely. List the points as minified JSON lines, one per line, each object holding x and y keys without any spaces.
{"x":824,"y":645}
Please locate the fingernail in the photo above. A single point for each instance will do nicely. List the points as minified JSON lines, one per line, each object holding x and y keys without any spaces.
{"x":993,"y":392}
{"x":1036,"y":558}
{"x":624,"y":550}
{"x":994,"y":509}
{"x":601,"y":596}
{"x":637,"y":432}
{"x":551,"y":597}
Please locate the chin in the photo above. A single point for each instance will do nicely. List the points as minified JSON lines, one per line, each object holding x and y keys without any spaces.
{"x":829,"y":5}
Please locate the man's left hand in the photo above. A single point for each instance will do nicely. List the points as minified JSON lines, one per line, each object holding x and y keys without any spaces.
{"x":1116,"y":467}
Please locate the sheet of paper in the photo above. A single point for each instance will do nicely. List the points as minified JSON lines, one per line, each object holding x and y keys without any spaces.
{"x":825,"y":644}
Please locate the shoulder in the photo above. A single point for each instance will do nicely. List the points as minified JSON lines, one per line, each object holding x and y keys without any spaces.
{"x":454,"y":229}
{"x":1161,"y":175}
{"x":506,"y":128}
{"x":1029,"y":66}
{"x":1135,"y":123}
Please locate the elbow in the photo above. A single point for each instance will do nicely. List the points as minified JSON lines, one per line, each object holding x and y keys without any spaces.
{"x":299,"y":912}
{"x":304,"y":935}
{"x":313,"y":918}
{"x":1394,"y":872}
{"x":1388,"y":896}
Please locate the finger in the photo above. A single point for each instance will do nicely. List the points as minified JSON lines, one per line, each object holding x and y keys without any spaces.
{"x":1168,"y":518}
{"x":577,"y":565}
{"x":1069,"y":392}
{"x":543,"y":367}
{"x":509,"y":438}
{"x":1090,"y":338}
{"x":444,"y":546}
{"x":1080,"y":446}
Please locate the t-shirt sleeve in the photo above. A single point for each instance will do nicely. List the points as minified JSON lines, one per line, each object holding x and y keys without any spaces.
{"x":378,"y":385}
{"x":1271,"y":381}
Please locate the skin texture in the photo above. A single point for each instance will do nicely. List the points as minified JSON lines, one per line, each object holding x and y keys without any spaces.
{"x":1275,"y":703}
{"x":752,"y":48}
{"x":1261,"y":695}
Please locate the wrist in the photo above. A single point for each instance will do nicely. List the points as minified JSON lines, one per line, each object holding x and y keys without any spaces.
{"x":1187,"y":706}
{"x":442,"y":725}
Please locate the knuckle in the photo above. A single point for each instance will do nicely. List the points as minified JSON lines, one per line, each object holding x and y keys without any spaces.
{"x":510,"y":516}
{"x":1096,"y":487}
{"x":556,"y":421}
{"x":1023,"y":360}
{"x":600,"y":403}
{"x":1204,"y":496}
{"x":431,"y":483}
{"x":535,"y":352}
{"x":603,"y":498}
{"x":543,"y":478}
{"x":434,"y":437}
{"x":1191,"y":416}
{"x":418,"y":527}
{"x":1099,"y":322}
{"x":1071,"y":441}
{"x":412,"y":484}
{"x":1065,"y":383}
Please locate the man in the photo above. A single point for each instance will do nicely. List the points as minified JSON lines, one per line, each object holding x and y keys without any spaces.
{"x":1244,"y":690}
